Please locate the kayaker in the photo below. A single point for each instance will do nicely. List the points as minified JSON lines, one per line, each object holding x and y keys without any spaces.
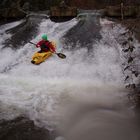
{"x":45,"y":45}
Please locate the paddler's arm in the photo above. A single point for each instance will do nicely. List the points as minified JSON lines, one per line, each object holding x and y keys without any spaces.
{"x":39,"y":44}
{"x":52,"y":48}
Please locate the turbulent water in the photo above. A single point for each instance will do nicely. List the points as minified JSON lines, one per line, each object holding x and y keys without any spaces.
{"x":83,"y":96}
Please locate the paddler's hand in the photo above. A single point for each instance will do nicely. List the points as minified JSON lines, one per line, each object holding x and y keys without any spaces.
{"x":37,"y":46}
{"x":53,"y":51}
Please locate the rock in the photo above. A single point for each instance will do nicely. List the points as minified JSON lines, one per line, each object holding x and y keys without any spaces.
{"x":135,"y":73}
{"x":22,"y":128}
{"x":126,"y":78}
{"x":130,"y":59}
{"x":124,"y":43}
{"x":125,"y":50}
{"x":131,"y":48}
{"x":126,"y":68}
{"x":130,"y":39}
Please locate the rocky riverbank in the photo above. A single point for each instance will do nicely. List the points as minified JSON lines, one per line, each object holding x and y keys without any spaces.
{"x":132,"y":26}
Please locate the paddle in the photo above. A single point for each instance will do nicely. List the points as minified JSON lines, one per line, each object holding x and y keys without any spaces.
{"x":61,"y":55}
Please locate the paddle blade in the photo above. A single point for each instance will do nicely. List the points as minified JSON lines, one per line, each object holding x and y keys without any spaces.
{"x":61,"y":55}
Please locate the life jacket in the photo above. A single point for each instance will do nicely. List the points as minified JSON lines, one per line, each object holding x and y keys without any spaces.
{"x":45,"y":46}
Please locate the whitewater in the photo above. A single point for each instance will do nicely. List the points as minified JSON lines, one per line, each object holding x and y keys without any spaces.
{"x":84,"y":93}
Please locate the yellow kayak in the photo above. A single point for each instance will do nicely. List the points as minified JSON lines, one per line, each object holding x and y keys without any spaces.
{"x":40,"y":57}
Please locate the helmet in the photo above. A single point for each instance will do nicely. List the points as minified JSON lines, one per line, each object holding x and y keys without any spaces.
{"x":44,"y":37}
